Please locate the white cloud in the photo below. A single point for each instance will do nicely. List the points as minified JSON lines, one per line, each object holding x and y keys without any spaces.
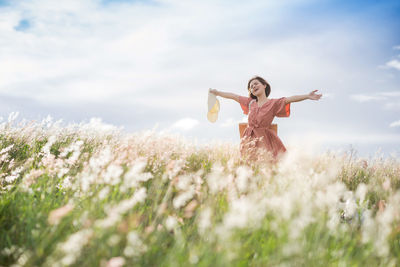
{"x":185,"y":124}
{"x":390,"y":94}
{"x":366,"y":98}
{"x":392,"y":106}
{"x":327,"y":95}
{"x":79,"y":50}
{"x":375,"y":97}
{"x":233,"y":122}
{"x":393,"y":64}
{"x":83,"y":51}
{"x":229,"y":122}
{"x":395,"y":124}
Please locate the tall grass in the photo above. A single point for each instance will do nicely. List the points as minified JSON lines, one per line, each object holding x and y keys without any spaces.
{"x":90,"y":195}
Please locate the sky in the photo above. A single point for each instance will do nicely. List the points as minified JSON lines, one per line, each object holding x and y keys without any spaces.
{"x":144,"y":65}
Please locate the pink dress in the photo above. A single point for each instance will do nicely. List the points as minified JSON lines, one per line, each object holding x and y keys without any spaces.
{"x":257,"y":137}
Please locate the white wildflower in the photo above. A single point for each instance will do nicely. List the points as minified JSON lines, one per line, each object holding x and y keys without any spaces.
{"x":12,"y":117}
{"x":134,"y":245}
{"x":217,"y":180}
{"x":63,"y":171}
{"x":11,"y":164}
{"x":173,"y":168}
{"x":30,"y":178}
{"x":129,"y":251}
{"x":282,"y":205}
{"x":334,"y":220}
{"x":113,"y":240}
{"x":244,"y":212}
{"x":138,"y":166}
{"x":204,"y":222}
{"x":113,"y":174}
{"x":361,"y":191}
{"x":47,"y":122}
{"x":197,"y":178}
{"x":384,"y":221}
{"x":11,"y":250}
{"x":242,"y":179}
{"x":6,"y":149}
{"x":300,"y":222}
{"x":328,"y":198}
{"x":4,"y":157}
{"x":56,"y":215}
{"x":102,"y":159}
{"x":50,"y":141}
{"x":75,"y":148}
{"x":386,"y":184}
{"x":115,"y":262}
{"x":135,"y":175}
{"x":350,"y":206}
{"x":23,"y":258}
{"x":14,"y":175}
{"x":193,"y":258}
{"x":67,"y":182}
{"x":170,"y":223}
{"x":48,"y":161}
{"x":11,"y":178}
{"x":184,"y":182}
{"x":85,"y":180}
{"x":291,"y":248}
{"x":114,"y":213}
{"x":73,"y":245}
{"x":181,"y":200}
{"x":103,"y":193}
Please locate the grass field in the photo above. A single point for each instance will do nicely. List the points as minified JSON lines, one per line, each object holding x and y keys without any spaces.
{"x":90,"y":195}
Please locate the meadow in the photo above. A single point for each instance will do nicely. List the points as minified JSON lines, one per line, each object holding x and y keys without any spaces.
{"x":89,"y":194}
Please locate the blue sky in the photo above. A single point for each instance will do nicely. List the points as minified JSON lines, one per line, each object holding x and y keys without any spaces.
{"x":146,"y":64}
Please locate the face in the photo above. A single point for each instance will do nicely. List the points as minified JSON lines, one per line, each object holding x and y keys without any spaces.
{"x":257,"y":88}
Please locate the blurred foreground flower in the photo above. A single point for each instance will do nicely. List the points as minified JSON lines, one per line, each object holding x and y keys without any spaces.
{"x":147,"y":199}
{"x":56,"y":215}
{"x":116,"y":262}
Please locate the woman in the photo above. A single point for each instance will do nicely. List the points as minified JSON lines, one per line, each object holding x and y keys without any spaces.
{"x":258,"y":137}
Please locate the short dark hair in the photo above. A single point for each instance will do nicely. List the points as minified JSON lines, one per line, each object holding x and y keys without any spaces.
{"x":261,"y":80}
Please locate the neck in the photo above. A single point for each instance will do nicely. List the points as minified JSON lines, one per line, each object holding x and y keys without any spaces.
{"x":262,"y":98}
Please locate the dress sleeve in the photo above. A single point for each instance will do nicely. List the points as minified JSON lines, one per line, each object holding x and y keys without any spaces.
{"x":281,"y":108}
{"x":244,"y":104}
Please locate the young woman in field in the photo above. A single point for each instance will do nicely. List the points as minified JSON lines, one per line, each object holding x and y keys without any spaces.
{"x":258,"y":138}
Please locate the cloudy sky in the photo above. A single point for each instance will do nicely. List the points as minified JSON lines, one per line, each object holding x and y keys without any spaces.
{"x":148,"y":64}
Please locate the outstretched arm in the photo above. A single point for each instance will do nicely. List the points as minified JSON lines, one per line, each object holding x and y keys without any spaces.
{"x":225,"y":94}
{"x":297,"y":98}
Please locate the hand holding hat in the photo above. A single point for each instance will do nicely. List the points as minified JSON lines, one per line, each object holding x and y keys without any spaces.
{"x":213,"y":106}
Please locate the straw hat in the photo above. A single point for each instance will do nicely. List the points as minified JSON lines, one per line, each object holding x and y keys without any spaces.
{"x":213,"y":107}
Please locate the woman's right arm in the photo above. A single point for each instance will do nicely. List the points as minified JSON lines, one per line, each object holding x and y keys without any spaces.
{"x":225,"y":94}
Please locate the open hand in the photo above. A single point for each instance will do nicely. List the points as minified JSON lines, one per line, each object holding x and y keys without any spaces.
{"x":314,"y":96}
{"x":213,"y":91}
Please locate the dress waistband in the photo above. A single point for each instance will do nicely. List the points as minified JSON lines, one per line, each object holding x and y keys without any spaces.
{"x":255,"y":127}
{"x":252,"y":128}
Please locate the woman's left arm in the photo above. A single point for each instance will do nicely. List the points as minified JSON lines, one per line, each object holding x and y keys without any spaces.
{"x":297,"y":98}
